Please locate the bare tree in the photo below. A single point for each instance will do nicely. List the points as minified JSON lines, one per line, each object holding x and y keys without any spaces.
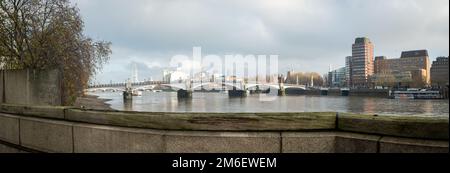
{"x":305,"y":78}
{"x":48,"y":34}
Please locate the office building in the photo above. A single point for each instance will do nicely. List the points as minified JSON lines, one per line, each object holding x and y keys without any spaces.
{"x":362,"y":62}
{"x":439,"y":72}
{"x":337,"y":78}
{"x":348,"y":70}
{"x":410,"y":70}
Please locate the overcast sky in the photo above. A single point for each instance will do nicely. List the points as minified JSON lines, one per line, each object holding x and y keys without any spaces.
{"x":308,"y":35}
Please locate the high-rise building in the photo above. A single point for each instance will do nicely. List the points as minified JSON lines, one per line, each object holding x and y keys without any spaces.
{"x":377,"y":64}
{"x":439,"y":72}
{"x":410,"y":70}
{"x":166,"y":76}
{"x":337,"y":78}
{"x":348,"y":70}
{"x":421,"y":59}
{"x":362,"y":62}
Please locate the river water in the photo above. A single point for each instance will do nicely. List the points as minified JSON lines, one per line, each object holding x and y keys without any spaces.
{"x":220,"y":102}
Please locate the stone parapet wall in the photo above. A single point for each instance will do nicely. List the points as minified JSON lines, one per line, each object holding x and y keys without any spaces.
{"x":69,"y":130}
{"x":31,"y":87}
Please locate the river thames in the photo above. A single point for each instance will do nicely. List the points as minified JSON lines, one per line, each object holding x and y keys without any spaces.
{"x":220,"y":102}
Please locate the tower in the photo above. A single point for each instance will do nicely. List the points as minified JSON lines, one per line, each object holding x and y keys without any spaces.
{"x":134,"y":73}
{"x":348,"y":71}
{"x":362,"y":62}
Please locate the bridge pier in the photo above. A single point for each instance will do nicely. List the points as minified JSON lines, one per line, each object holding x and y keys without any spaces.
{"x":257,"y":91}
{"x":237,"y":93}
{"x":184,"y":94}
{"x":127,"y":95}
{"x":345,"y":92}
{"x":281,"y":92}
{"x":323,"y":92}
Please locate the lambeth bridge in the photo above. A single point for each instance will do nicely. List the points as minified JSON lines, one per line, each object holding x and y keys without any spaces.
{"x":151,"y":85}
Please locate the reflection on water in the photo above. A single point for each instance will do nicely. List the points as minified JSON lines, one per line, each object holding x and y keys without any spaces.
{"x":219,"y":102}
{"x":128,"y":105}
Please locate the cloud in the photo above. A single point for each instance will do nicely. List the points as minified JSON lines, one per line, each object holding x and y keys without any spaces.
{"x":312,"y":34}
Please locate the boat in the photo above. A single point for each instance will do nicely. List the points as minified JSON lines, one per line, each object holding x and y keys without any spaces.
{"x":403,"y":96}
{"x":137,"y":93}
{"x":157,"y":91}
{"x":416,"y":94}
{"x":429,"y":95}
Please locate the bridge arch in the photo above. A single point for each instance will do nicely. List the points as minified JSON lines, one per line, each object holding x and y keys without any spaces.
{"x":145,"y":87}
{"x":104,"y":89}
{"x":220,"y":84}
{"x":298,"y":87}
{"x":175,"y":86}
{"x":266,"y":85}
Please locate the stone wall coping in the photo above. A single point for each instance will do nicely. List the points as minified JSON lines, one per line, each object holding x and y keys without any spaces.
{"x":394,"y":125}
{"x":391,"y":125}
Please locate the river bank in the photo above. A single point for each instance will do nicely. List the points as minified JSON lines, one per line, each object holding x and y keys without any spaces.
{"x":92,"y":102}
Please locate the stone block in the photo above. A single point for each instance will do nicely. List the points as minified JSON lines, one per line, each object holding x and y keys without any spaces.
{"x":16,"y":87}
{"x":8,"y":149}
{"x":32,"y":87}
{"x":356,"y":143}
{"x":104,"y":139}
{"x":208,"y":121}
{"x":44,"y":87}
{"x":408,"y":145}
{"x":308,"y":142}
{"x":46,"y":135}
{"x":401,"y":126}
{"x":9,"y":128}
{"x":222,"y":142}
{"x":55,"y":112}
{"x":2,"y":74}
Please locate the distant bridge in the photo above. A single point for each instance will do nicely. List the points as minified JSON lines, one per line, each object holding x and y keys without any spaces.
{"x":177,"y":86}
{"x":116,"y":85}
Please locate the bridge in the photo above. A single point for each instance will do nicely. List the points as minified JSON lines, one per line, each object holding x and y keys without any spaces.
{"x":116,"y":85}
{"x":121,"y":86}
{"x":142,"y":86}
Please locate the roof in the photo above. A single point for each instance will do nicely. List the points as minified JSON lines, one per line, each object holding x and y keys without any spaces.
{"x":414,"y":53}
{"x":362,"y":40}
